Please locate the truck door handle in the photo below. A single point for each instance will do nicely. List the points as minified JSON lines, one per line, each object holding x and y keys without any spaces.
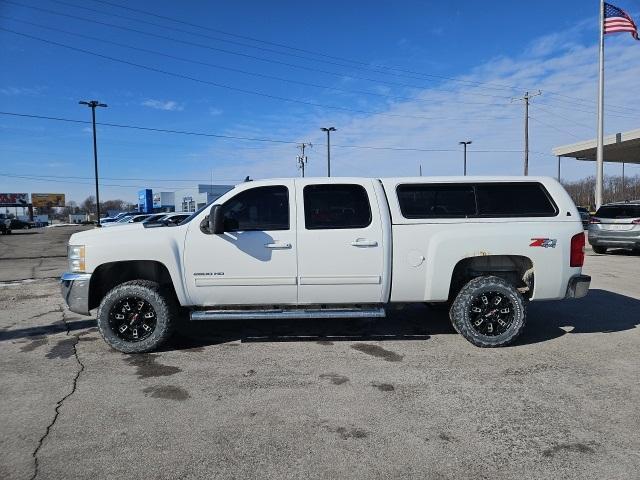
{"x":277,"y":245}
{"x":362,"y":242}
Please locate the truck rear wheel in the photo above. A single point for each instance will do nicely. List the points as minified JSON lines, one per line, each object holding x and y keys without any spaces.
{"x":488,"y":312}
{"x":136,"y":317}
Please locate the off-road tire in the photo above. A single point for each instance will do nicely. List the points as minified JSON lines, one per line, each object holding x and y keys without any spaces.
{"x":165,"y":311}
{"x":460,"y":313}
{"x":600,"y":250}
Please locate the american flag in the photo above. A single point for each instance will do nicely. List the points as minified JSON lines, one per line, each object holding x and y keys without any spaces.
{"x":617,"y":20}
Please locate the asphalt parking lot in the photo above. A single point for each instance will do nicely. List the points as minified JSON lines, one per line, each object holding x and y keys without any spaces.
{"x":398,"y":397}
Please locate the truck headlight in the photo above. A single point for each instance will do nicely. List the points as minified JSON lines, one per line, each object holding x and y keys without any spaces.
{"x":76,"y":258}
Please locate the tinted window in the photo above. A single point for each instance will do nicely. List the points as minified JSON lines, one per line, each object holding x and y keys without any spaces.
{"x":436,"y":201}
{"x":619,"y":211}
{"x":336,"y":206}
{"x":260,"y":208}
{"x":514,"y":200}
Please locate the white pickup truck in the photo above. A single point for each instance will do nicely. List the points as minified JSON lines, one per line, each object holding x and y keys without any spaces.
{"x":337,"y":248}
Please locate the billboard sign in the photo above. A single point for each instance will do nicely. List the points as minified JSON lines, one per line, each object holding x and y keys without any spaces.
{"x":14,"y":199}
{"x":47,"y":200}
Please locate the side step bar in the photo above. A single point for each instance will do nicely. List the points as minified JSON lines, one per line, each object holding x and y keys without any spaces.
{"x":301,"y":313}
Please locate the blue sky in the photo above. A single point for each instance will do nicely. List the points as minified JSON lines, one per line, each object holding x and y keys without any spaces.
{"x":450,"y":72}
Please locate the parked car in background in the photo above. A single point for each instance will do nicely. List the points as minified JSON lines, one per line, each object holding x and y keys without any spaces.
{"x":5,"y":224}
{"x":166,"y":218}
{"x":616,"y":225}
{"x":585,"y":216}
{"x":128,"y":218}
{"x":17,"y":224}
{"x":154,"y":218}
{"x":175,"y":218}
{"x":117,"y":218}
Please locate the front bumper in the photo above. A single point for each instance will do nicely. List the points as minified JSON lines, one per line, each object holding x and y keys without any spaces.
{"x":578,"y":286}
{"x":75,"y":291}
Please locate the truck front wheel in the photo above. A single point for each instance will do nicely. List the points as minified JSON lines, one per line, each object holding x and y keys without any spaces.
{"x":136,"y":317}
{"x":489,"y":312}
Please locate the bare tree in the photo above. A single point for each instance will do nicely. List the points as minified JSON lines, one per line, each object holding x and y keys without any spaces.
{"x":89,"y":204}
{"x":582,"y":191}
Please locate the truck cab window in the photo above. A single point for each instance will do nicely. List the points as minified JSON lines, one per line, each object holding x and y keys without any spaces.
{"x":260,"y":208}
{"x":336,"y":206}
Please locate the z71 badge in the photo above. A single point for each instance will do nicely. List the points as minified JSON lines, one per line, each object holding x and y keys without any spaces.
{"x":544,"y":242}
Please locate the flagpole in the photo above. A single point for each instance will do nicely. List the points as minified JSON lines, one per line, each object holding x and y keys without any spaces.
{"x":600,"y":138}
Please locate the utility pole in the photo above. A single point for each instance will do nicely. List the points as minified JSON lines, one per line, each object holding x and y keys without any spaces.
{"x":464,"y":144}
{"x":624,"y":188}
{"x":93,"y":104}
{"x":420,"y":169}
{"x":527,"y":96}
{"x":328,"y":130}
{"x":559,"y":167}
{"x":302,"y":159}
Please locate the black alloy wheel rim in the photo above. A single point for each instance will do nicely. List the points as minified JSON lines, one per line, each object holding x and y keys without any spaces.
{"x":132,"y":319}
{"x":491,"y":313}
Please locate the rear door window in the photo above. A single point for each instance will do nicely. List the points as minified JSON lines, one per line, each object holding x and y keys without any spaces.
{"x":336,"y":206}
{"x":520,"y":199}
{"x":619,"y":211}
{"x":436,"y":201}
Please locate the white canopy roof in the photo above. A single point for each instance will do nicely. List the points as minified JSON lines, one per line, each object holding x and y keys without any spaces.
{"x":620,"y":148}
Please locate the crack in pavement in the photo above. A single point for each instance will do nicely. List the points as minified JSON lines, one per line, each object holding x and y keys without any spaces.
{"x":60,"y":402}
{"x":9,"y":283}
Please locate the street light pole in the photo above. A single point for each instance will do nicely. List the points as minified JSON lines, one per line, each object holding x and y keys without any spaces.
{"x":93,"y":104}
{"x":464,"y":144}
{"x":328,"y":130}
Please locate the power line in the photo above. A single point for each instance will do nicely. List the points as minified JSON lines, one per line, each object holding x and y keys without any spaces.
{"x":384,"y":71}
{"x":385,"y":68}
{"x":237,"y":70}
{"x":554,"y":127}
{"x":245,"y":55}
{"x":224,"y":86}
{"x":253,"y":139}
{"x":574,"y":109}
{"x":564,"y":118}
{"x":75,"y":182}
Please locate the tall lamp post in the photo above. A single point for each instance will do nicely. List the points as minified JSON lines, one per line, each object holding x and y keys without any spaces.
{"x":93,"y":104}
{"x":468,"y":142}
{"x":328,"y":130}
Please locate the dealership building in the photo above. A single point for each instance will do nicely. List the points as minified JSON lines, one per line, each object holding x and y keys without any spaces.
{"x":183,"y":200}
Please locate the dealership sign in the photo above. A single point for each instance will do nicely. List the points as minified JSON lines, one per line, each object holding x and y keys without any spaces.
{"x":14,"y":199}
{"x":44,"y":200}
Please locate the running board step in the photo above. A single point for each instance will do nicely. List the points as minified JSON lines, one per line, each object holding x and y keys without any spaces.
{"x":302,"y":313}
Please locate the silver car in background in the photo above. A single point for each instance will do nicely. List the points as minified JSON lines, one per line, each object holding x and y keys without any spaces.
{"x":616,"y":225}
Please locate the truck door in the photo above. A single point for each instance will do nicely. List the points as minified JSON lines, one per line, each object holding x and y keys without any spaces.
{"x":340,"y":242}
{"x":254,"y":261}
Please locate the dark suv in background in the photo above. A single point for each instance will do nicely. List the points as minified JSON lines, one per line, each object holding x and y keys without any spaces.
{"x":616,"y":225}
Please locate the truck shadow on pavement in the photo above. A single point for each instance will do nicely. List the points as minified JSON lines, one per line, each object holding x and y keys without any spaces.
{"x":600,"y":311}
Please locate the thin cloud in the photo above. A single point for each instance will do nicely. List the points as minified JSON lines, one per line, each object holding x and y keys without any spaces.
{"x":166,"y":105}
{"x":564,"y":113}
{"x":22,"y":91}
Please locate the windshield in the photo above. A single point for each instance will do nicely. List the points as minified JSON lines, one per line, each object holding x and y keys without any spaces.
{"x":619,"y":211}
